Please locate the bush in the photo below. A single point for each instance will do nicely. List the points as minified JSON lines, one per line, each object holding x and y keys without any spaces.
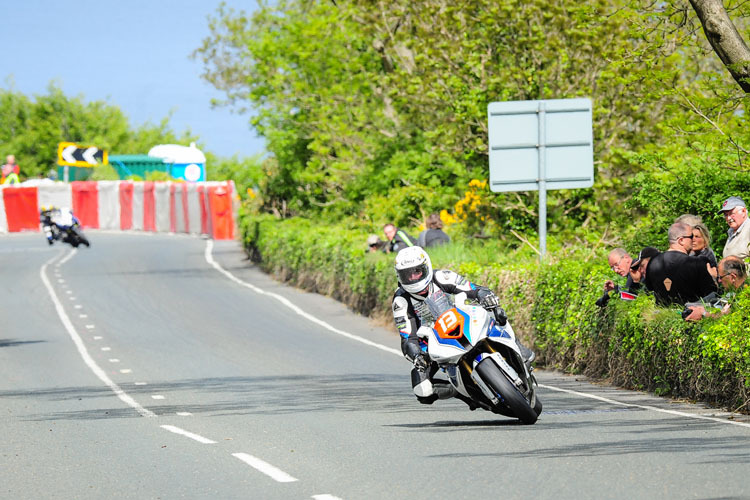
{"x":552,"y":306}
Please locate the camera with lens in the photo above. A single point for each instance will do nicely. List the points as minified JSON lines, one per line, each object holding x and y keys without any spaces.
{"x":602,"y":301}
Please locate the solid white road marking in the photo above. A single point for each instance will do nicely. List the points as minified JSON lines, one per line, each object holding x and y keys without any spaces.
{"x":288,"y":303}
{"x":80,"y":346}
{"x":645,"y":407}
{"x":183,"y":432}
{"x":266,"y":468}
{"x":209,"y":258}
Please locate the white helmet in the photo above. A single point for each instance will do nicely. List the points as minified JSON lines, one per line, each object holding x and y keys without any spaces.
{"x":414,"y":269}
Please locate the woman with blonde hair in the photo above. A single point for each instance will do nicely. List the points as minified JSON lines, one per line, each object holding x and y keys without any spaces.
{"x":702,"y":243}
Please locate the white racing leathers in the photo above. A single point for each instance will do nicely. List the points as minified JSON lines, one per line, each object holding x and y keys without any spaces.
{"x":410,"y":312}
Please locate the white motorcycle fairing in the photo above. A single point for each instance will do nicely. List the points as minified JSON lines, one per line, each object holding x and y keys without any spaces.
{"x":464,"y":337}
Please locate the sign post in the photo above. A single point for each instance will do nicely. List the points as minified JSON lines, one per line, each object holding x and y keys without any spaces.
{"x":70,"y":154}
{"x":541,"y":145}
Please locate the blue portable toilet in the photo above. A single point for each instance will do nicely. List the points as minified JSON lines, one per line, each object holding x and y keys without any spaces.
{"x":187,"y":162}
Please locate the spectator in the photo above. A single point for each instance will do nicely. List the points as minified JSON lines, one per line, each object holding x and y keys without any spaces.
{"x":398,"y":239}
{"x":10,"y":171}
{"x":674,"y":276}
{"x":732,"y":276}
{"x":702,"y":243}
{"x":620,"y":261}
{"x":690,"y":219}
{"x":735,"y":213}
{"x":433,"y":235}
{"x":639,"y":265}
{"x":375,"y":244}
{"x":10,"y":161}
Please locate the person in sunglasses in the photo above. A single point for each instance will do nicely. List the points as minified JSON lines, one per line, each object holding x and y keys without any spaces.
{"x":732,"y":278}
{"x":674,"y":276}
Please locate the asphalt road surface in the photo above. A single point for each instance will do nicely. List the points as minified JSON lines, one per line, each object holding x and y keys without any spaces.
{"x":158,"y":366}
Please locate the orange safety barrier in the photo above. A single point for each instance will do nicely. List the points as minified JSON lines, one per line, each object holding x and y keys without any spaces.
{"x":222,"y":223}
{"x":149,"y":207}
{"x":126,"y":205}
{"x":86,"y":203}
{"x":21,"y":208}
{"x":204,"y":209}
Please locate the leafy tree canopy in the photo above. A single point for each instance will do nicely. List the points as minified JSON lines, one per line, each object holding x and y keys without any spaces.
{"x":377,"y":110}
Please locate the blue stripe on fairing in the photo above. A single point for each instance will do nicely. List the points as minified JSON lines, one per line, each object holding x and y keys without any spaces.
{"x":496,"y":332}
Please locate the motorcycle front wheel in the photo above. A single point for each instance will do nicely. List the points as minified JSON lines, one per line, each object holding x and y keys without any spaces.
{"x":507,"y":392}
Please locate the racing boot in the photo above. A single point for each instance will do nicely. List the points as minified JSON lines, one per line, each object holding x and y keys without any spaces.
{"x":527,"y":355}
{"x":445,"y":390}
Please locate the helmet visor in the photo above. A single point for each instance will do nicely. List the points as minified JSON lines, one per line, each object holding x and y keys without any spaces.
{"x":412,"y":274}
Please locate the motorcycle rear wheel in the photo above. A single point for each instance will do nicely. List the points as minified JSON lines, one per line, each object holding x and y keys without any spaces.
{"x":504,"y":388}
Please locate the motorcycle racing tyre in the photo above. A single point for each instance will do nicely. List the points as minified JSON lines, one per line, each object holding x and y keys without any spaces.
{"x":504,"y":388}
{"x":538,"y":407}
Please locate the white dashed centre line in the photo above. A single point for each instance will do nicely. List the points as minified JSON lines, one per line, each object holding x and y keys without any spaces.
{"x":183,"y":432}
{"x":266,"y":468}
{"x":157,"y":396}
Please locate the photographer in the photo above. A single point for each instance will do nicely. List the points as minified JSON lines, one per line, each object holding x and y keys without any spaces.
{"x":623,"y":264}
{"x":732,"y":276}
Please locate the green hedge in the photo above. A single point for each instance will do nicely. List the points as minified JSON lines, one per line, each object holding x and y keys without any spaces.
{"x":552,"y":306}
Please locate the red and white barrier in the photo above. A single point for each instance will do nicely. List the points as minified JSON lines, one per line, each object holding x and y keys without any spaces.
{"x":177,"y":207}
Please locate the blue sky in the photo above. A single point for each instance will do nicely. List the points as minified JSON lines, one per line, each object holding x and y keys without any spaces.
{"x":133,"y":54}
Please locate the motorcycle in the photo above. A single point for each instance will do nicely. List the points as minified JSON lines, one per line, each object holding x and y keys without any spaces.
{"x":481,"y":358}
{"x":64,"y":226}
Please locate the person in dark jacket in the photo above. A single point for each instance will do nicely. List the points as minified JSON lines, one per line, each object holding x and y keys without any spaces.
{"x":433,"y":235}
{"x":676,"y":277}
{"x":398,"y":238}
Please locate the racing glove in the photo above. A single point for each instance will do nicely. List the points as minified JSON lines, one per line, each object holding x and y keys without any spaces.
{"x":488,"y":300}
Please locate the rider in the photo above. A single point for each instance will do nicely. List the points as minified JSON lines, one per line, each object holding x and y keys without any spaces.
{"x":417,"y":281}
{"x":47,"y":214}
{"x":45,"y":219}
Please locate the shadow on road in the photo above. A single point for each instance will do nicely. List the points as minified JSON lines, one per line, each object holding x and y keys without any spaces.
{"x":14,"y":342}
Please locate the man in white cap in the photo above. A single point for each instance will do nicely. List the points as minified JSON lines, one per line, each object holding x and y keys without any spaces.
{"x":735,"y":213}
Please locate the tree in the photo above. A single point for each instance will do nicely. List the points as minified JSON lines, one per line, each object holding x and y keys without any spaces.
{"x":33,"y":127}
{"x":726,"y":41}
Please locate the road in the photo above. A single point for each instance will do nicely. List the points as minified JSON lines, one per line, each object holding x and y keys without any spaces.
{"x":161,"y":366}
